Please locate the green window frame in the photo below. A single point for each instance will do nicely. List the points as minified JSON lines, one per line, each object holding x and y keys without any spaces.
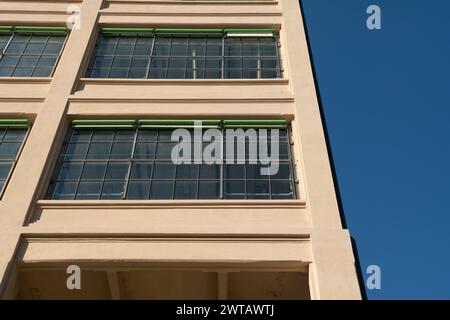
{"x":131,"y":160}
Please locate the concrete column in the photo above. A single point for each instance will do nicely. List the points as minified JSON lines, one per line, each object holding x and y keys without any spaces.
{"x":332,"y":275}
{"x":25,"y":185}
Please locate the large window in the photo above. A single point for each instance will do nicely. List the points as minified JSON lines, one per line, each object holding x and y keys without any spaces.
{"x":186,"y":54}
{"x":12,"y":137}
{"x":134,"y":160}
{"x":30,"y":51}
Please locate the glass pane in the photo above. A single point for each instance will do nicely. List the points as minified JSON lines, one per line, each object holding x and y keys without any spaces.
{"x":89,"y":190}
{"x":99,"y":150}
{"x":142,"y":170}
{"x":113,"y":190}
{"x":28,"y":61}
{"x":64,"y":190}
{"x":209,"y":190}
{"x":284,"y":172}
{"x":164,"y":150}
{"x":234,"y":171}
{"x":185,"y":189}
{"x":121,"y":150}
{"x":23,"y":72}
{"x":211,"y":171}
{"x":161,"y":190}
{"x":14,"y":135}
{"x":103,"y":136}
{"x":234,"y":189}
{"x":138,"y":190}
{"x":187,"y":171}
{"x":124,"y":136}
{"x":42,"y":72}
{"x":254,"y":171}
{"x":4,"y":169}
{"x":76,"y":151}
{"x":9,"y":61}
{"x":94,"y":170}
{"x":147,"y":136}
{"x":164,"y":170}
{"x":9,"y":150}
{"x":70,"y":171}
{"x":282,"y":189}
{"x":81,"y":136}
{"x":258,"y":189}
{"x":117,"y":170}
{"x":145,"y":151}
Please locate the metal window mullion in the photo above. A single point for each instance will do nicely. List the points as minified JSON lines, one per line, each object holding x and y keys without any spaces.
{"x":291,"y":159}
{"x":113,"y":58}
{"x":223,"y":58}
{"x":222,"y":164}
{"x":169,"y":57}
{"x":6,"y":46}
{"x":107,"y":163}
{"x":150,"y":57}
{"x":130,"y":165}
{"x":278,"y":46}
{"x":40,"y":55}
{"x":132,"y":57}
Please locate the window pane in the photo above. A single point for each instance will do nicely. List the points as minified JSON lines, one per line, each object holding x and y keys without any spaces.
{"x":138,"y":190}
{"x":9,"y":150}
{"x":161,"y":190}
{"x":99,"y":150}
{"x":117,"y":170}
{"x":64,"y":190}
{"x":282,"y":189}
{"x":113,"y":190}
{"x":4,"y":169}
{"x":145,"y":151}
{"x":76,"y":151}
{"x":121,"y":150}
{"x":70,"y":171}
{"x":209,"y":190}
{"x":185,"y":189}
{"x":14,"y":135}
{"x":89,"y":190}
{"x":211,"y":171}
{"x":187,"y":171}
{"x":234,"y":189}
{"x":258,"y":189}
{"x":142,"y":170}
{"x":164,"y":170}
{"x":94,"y":170}
{"x":234,"y":171}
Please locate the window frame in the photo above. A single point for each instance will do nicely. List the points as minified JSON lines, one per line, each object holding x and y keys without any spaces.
{"x":30,"y":31}
{"x":16,"y":158}
{"x":188,"y":34}
{"x":132,"y":160}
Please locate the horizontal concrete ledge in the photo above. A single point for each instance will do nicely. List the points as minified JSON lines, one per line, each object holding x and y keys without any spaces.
{"x":195,"y":82}
{"x":182,"y":100}
{"x":130,"y":204}
{"x":193,"y":14}
{"x":25,"y":80}
{"x":215,"y":2}
{"x":164,"y":250}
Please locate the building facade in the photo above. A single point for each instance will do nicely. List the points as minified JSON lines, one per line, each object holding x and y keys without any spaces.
{"x":96,"y":191}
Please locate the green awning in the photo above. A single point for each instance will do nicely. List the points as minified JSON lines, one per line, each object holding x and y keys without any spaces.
{"x":107,"y":124}
{"x":14,"y":123}
{"x":116,"y":31}
{"x":255,"y":124}
{"x":28,"y":29}
{"x":189,"y":31}
{"x":174,"y":124}
{"x":5,"y":29}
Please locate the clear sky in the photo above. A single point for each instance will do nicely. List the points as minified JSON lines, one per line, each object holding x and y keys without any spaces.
{"x":386,"y":99}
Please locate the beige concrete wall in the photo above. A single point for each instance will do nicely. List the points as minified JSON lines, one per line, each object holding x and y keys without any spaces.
{"x":310,"y":226}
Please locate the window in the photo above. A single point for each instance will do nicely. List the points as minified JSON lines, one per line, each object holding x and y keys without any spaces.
{"x":186,"y":54}
{"x":12,"y":136}
{"x":127,"y":159}
{"x":30,"y":51}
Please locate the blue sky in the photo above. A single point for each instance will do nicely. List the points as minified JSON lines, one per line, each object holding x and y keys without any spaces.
{"x":386,"y":97}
